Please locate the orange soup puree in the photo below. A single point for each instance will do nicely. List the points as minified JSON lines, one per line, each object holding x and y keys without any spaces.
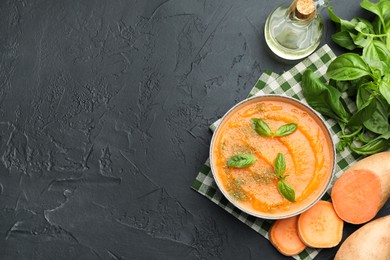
{"x":308,"y":153}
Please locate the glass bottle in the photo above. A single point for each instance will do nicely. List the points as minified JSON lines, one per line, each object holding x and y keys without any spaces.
{"x":294,"y":31}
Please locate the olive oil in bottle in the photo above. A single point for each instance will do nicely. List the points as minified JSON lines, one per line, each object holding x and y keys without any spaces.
{"x":294,"y":31}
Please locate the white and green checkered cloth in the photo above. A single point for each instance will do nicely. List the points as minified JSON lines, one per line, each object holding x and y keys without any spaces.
{"x":288,"y":84}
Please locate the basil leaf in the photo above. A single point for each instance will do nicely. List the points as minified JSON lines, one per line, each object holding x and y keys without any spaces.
{"x":376,"y":51}
{"x":286,"y":191}
{"x":279,"y":165}
{"x":364,"y":93}
{"x":348,"y":66}
{"x":377,"y":145}
{"x":344,"y":39}
{"x":361,"y":40}
{"x":377,"y":25}
{"x":365,"y":32}
{"x":286,"y":129}
{"x":381,"y":9}
{"x":344,"y":24}
{"x":324,"y":98}
{"x":350,"y":86}
{"x":241,"y":160}
{"x":377,"y":56}
{"x":384,"y":88}
{"x":388,"y":40}
{"x":377,"y":122}
{"x":261,"y":127}
{"x":363,"y":113}
{"x":364,"y":26}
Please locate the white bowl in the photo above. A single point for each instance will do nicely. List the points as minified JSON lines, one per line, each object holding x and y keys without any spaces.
{"x":313,"y":114}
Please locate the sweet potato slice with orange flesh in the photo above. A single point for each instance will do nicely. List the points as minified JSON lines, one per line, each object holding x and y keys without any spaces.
{"x":284,"y":236}
{"x":371,"y":241}
{"x":357,"y":196}
{"x":320,"y":227}
{"x":363,"y":189}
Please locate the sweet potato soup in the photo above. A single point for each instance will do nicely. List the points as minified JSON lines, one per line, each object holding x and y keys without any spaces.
{"x":308,"y":155}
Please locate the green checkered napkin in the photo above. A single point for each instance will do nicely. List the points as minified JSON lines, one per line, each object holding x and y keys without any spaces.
{"x":287,"y":84}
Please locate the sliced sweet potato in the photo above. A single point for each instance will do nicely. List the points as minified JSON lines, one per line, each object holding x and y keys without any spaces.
{"x":284,"y":236}
{"x":363,"y":189}
{"x":320,"y":227}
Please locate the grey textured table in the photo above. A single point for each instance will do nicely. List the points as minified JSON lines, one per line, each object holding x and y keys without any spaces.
{"x":104,"y":114}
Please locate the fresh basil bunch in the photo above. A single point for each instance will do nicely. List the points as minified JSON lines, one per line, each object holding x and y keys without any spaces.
{"x":364,"y":77}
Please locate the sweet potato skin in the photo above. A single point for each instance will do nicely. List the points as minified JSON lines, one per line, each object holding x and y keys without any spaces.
{"x":371,"y":241}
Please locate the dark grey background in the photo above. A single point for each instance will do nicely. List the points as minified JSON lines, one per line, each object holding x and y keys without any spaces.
{"x":104,"y":114}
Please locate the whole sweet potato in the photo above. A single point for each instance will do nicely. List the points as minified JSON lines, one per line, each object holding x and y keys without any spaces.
{"x":370,"y":242}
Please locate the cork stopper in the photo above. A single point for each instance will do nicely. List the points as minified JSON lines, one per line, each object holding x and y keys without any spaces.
{"x":303,"y":9}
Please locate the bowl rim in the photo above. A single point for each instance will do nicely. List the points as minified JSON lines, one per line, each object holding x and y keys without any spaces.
{"x":327,"y":132}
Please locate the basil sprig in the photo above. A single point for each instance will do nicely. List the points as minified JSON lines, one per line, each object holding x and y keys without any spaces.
{"x":262,"y":128}
{"x":284,"y":189}
{"x":241,"y":160}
